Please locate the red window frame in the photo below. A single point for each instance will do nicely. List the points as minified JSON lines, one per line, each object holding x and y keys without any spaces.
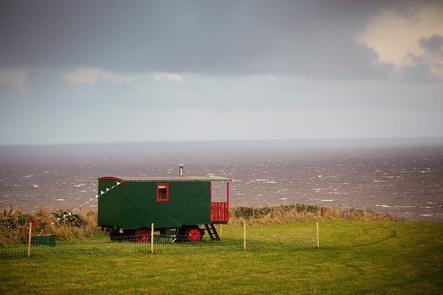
{"x":161,"y":186}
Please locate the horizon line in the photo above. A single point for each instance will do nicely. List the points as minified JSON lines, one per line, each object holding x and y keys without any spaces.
{"x":399,"y":138}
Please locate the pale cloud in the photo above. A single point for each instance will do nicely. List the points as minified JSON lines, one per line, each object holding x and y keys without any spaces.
{"x":14,"y":77}
{"x":89,"y":75}
{"x":167,"y":76}
{"x":271,"y":78}
{"x":394,"y":36}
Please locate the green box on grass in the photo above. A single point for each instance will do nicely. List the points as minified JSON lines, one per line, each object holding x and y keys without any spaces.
{"x":43,"y":240}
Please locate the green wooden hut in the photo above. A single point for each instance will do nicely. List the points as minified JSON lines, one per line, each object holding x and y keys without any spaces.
{"x":179,"y":205}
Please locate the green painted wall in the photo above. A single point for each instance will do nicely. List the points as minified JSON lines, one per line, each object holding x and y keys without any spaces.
{"x":133,"y":205}
{"x":108,"y":204}
{"x":102,"y":185}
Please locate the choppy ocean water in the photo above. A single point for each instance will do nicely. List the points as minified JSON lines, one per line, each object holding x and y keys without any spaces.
{"x":402,"y":177}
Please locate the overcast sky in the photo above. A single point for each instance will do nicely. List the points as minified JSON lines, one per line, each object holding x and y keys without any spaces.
{"x":121,"y":71}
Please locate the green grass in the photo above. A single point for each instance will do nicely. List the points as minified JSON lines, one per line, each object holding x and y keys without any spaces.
{"x":354,"y":257}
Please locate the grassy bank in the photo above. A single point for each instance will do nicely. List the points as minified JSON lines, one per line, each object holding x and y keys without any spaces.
{"x":66,"y":225}
{"x":302,"y":212}
{"x":355,"y":257}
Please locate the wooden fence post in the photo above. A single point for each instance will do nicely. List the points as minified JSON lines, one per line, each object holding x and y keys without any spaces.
{"x":152,"y":238}
{"x":29,"y":239}
{"x":318,"y":237}
{"x":244,"y":235}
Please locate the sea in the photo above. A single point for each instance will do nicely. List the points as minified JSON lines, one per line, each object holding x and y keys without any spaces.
{"x":401,"y":176}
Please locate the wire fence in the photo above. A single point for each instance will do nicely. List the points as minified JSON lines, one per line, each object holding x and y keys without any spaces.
{"x":232,"y":238}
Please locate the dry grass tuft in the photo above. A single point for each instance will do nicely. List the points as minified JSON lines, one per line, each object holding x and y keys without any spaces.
{"x":301,"y":212}
{"x":14,"y":225}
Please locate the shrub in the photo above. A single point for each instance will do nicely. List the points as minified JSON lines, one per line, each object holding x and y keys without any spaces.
{"x":64,"y":224}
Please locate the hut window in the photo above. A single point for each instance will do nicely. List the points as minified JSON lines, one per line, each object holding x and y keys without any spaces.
{"x":162,"y":192}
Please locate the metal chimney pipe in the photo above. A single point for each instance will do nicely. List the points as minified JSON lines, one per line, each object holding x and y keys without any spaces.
{"x":180,"y":170}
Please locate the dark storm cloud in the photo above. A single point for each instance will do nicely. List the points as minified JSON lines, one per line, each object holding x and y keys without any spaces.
{"x":419,"y":69}
{"x":98,"y":71}
{"x":309,"y":38}
{"x":433,"y":44}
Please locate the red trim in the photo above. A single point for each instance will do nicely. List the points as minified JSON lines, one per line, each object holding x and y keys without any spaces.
{"x":109,"y":178}
{"x":210,"y":191}
{"x":159,"y":187}
{"x":228,"y":194}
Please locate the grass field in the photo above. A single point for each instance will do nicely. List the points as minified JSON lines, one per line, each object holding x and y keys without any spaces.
{"x":354,"y":257}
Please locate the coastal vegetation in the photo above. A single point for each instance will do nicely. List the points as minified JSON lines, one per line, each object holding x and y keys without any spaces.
{"x":67,"y":225}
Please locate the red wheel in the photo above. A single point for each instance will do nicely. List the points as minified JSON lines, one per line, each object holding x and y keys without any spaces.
{"x":194,"y":235}
{"x":143,"y":236}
